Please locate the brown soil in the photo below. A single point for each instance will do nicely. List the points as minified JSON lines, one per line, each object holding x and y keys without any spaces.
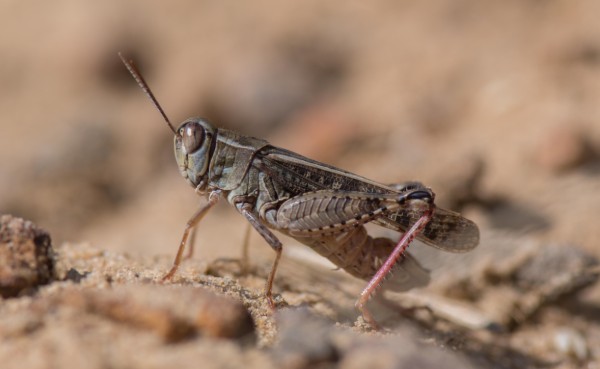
{"x":492,"y":104}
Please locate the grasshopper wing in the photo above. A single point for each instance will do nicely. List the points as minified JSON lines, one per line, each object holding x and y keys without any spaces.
{"x":447,"y":230}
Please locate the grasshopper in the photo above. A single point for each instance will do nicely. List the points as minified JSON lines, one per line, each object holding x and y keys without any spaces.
{"x":321,"y":206}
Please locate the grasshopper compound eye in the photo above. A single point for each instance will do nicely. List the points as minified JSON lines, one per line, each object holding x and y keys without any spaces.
{"x":192,"y":136}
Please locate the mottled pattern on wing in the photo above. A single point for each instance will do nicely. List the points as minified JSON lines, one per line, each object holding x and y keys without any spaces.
{"x":299,"y":175}
{"x":448,"y":231}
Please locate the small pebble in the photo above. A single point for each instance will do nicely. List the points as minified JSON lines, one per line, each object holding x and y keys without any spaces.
{"x":305,"y":340}
{"x":564,"y":268}
{"x":26,"y":256}
{"x":571,"y":343}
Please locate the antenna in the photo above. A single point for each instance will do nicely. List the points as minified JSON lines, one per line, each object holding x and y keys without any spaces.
{"x":142,"y":83}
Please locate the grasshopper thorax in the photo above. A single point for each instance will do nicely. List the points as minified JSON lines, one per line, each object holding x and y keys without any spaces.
{"x":193,"y":142}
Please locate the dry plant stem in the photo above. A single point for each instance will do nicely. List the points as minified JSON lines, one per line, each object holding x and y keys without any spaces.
{"x":385,"y":270}
{"x":213,"y":198}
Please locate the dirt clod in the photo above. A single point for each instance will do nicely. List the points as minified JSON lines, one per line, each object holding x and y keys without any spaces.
{"x":26,"y":256}
{"x":305,"y":340}
{"x":206,"y":314}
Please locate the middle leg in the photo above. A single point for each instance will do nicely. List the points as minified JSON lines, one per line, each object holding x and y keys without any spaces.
{"x":272,"y":240}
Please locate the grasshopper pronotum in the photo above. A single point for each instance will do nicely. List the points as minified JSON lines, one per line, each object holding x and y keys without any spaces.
{"x":319,"y":205}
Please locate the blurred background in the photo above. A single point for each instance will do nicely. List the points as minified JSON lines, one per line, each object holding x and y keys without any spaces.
{"x":494,"y":104}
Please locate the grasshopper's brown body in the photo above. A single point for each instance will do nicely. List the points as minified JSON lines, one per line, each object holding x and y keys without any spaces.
{"x":319,"y":205}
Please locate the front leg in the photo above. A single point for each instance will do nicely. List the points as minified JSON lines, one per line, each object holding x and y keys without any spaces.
{"x":246,"y":209}
{"x":213,"y":198}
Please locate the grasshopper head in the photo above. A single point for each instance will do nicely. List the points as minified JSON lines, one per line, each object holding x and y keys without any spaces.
{"x":193,"y":139}
{"x":193,"y":142}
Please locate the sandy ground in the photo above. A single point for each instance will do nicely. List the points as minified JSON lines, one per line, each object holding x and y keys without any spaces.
{"x":494,"y":105}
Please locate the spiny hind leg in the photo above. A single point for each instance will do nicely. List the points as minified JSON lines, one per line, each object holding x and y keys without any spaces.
{"x":406,"y":275}
{"x":327,"y":212}
{"x":386,"y":268}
